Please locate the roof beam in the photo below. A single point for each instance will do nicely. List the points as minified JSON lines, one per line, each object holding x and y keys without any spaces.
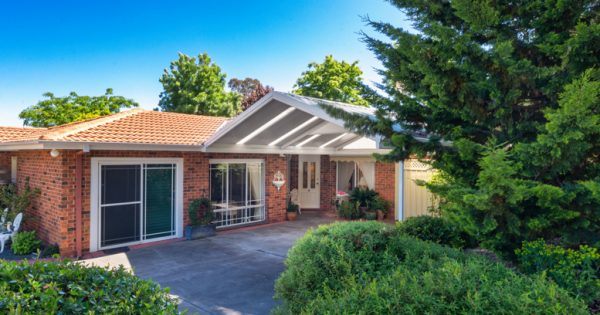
{"x":309,"y":131}
{"x":267,"y":125}
{"x":293,"y":131}
{"x":347,"y":142}
{"x":311,"y":138}
{"x":333,"y":140}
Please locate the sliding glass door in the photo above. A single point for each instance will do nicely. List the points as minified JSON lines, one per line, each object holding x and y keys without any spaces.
{"x":237,"y":192}
{"x":137,"y":203}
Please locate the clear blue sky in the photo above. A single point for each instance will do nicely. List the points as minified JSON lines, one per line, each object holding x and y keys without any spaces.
{"x":63,"y":46}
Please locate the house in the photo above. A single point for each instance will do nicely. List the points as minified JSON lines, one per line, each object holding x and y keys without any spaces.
{"x":127,"y":178}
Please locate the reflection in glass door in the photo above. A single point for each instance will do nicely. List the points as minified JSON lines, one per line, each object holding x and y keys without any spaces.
{"x":137,"y":202}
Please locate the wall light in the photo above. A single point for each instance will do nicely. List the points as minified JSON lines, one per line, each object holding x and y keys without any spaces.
{"x":54,"y":153}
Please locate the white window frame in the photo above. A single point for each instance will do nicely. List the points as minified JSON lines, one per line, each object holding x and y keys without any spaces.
{"x":96,"y":163}
{"x":263,"y":204}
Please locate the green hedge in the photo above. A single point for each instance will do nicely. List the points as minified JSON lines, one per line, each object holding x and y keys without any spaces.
{"x":435,"y":229}
{"x":70,"y":288}
{"x":578,"y":271}
{"x":371,"y":268}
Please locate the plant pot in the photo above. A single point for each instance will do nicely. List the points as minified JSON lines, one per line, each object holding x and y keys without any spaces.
{"x":291,"y":216}
{"x":370,"y":215}
{"x":193,"y":232}
{"x":380,"y":215}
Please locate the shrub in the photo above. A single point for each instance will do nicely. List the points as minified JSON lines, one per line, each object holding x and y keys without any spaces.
{"x":292,"y":207}
{"x":71,"y":288}
{"x":24,"y":243}
{"x":435,"y":229}
{"x":371,"y":268}
{"x":575,"y":270}
{"x":379,"y":203}
{"x":348,"y":210}
{"x":363,"y":196}
{"x":201,"y":211}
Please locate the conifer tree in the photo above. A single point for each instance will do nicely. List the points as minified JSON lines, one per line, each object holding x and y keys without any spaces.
{"x":503,"y":96}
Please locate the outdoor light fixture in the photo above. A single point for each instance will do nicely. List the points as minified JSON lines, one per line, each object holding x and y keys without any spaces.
{"x":278,"y":180}
{"x":54,"y":153}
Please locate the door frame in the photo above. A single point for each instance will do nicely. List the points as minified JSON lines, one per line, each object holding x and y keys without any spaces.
{"x":95,"y":178}
{"x":310,"y":158}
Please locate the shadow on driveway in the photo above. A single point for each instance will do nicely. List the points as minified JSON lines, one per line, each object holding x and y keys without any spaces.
{"x":231,"y":273}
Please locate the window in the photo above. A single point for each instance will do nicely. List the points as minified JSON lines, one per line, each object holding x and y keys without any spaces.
{"x":237,"y":191}
{"x":13,"y":169}
{"x":352,"y":174}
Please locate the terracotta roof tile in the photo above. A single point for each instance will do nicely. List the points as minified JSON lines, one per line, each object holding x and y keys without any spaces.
{"x":10,"y":134}
{"x":135,"y":126}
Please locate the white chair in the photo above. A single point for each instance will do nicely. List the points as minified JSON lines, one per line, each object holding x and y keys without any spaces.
{"x":294,"y":199}
{"x":3,"y":217}
{"x":8,"y":235}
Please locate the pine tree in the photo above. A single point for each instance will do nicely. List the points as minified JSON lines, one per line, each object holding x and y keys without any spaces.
{"x":503,"y":97}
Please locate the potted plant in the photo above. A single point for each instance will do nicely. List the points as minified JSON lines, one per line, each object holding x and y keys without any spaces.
{"x":381,"y":207}
{"x":370,"y":215}
{"x":201,"y":219}
{"x":292,"y":211}
{"x":363,"y":197}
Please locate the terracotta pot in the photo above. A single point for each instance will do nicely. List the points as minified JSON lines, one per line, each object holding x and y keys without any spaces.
{"x":380,"y":215}
{"x":291,"y":216}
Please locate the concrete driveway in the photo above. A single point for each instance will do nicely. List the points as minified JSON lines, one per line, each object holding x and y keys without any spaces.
{"x":231,"y":273}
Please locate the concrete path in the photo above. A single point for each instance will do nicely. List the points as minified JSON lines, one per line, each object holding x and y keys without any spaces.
{"x":231,"y":273}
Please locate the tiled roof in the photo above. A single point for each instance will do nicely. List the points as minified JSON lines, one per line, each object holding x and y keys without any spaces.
{"x":136,"y":126}
{"x":20,"y":133}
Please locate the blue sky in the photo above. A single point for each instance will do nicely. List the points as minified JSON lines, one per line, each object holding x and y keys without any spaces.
{"x":63,"y":46}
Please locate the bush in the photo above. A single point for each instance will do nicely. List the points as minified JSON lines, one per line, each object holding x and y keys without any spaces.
{"x":201,"y":211}
{"x":348,"y":210}
{"x":575,"y":270}
{"x":371,"y":268}
{"x":71,"y":288}
{"x":24,"y":243}
{"x":363,"y":196}
{"x":435,"y":229}
{"x":379,"y":203}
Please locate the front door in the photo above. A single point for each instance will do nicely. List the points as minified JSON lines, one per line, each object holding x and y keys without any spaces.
{"x":309,"y":169}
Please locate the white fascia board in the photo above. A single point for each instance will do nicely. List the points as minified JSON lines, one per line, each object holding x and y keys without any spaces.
{"x":118,"y":146}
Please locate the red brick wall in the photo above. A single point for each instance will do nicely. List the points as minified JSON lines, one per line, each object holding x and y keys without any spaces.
{"x":51,"y":212}
{"x":328,"y":183}
{"x":385,"y":181}
{"x":5,"y":165}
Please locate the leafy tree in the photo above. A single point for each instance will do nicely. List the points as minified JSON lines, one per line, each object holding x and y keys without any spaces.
{"x":197,"y":87}
{"x":333,"y":80}
{"x":54,"y":111}
{"x":504,"y":97}
{"x":250,"y":89}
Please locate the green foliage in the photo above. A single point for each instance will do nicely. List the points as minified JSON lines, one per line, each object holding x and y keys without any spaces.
{"x":71,"y":288}
{"x":378,"y":203}
{"x":578,"y":271}
{"x":197,"y":87}
{"x":24,"y":243}
{"x":292,"y":207}
{"x":370,"y":268}
{"x":435,"y":229}
{"x":250,"y":89}
{"x":348,"y":210}
{"x":370,"y":215}
{"x":16,"y":201}
{"x":333,"y":80}
{"x":363,"y":196}
{"x":54,"y":111}
{"x":201,"y":211}
{"x":513,"y":92}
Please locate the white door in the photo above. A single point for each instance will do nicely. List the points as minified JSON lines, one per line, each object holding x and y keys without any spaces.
{"x":309,"y":181}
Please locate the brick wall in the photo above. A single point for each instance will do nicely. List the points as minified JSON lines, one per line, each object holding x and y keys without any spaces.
{"x":51,"y":212}
{"x":385,"y":181}
{"x":5,"y":165}
{"x":328,"y":183}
